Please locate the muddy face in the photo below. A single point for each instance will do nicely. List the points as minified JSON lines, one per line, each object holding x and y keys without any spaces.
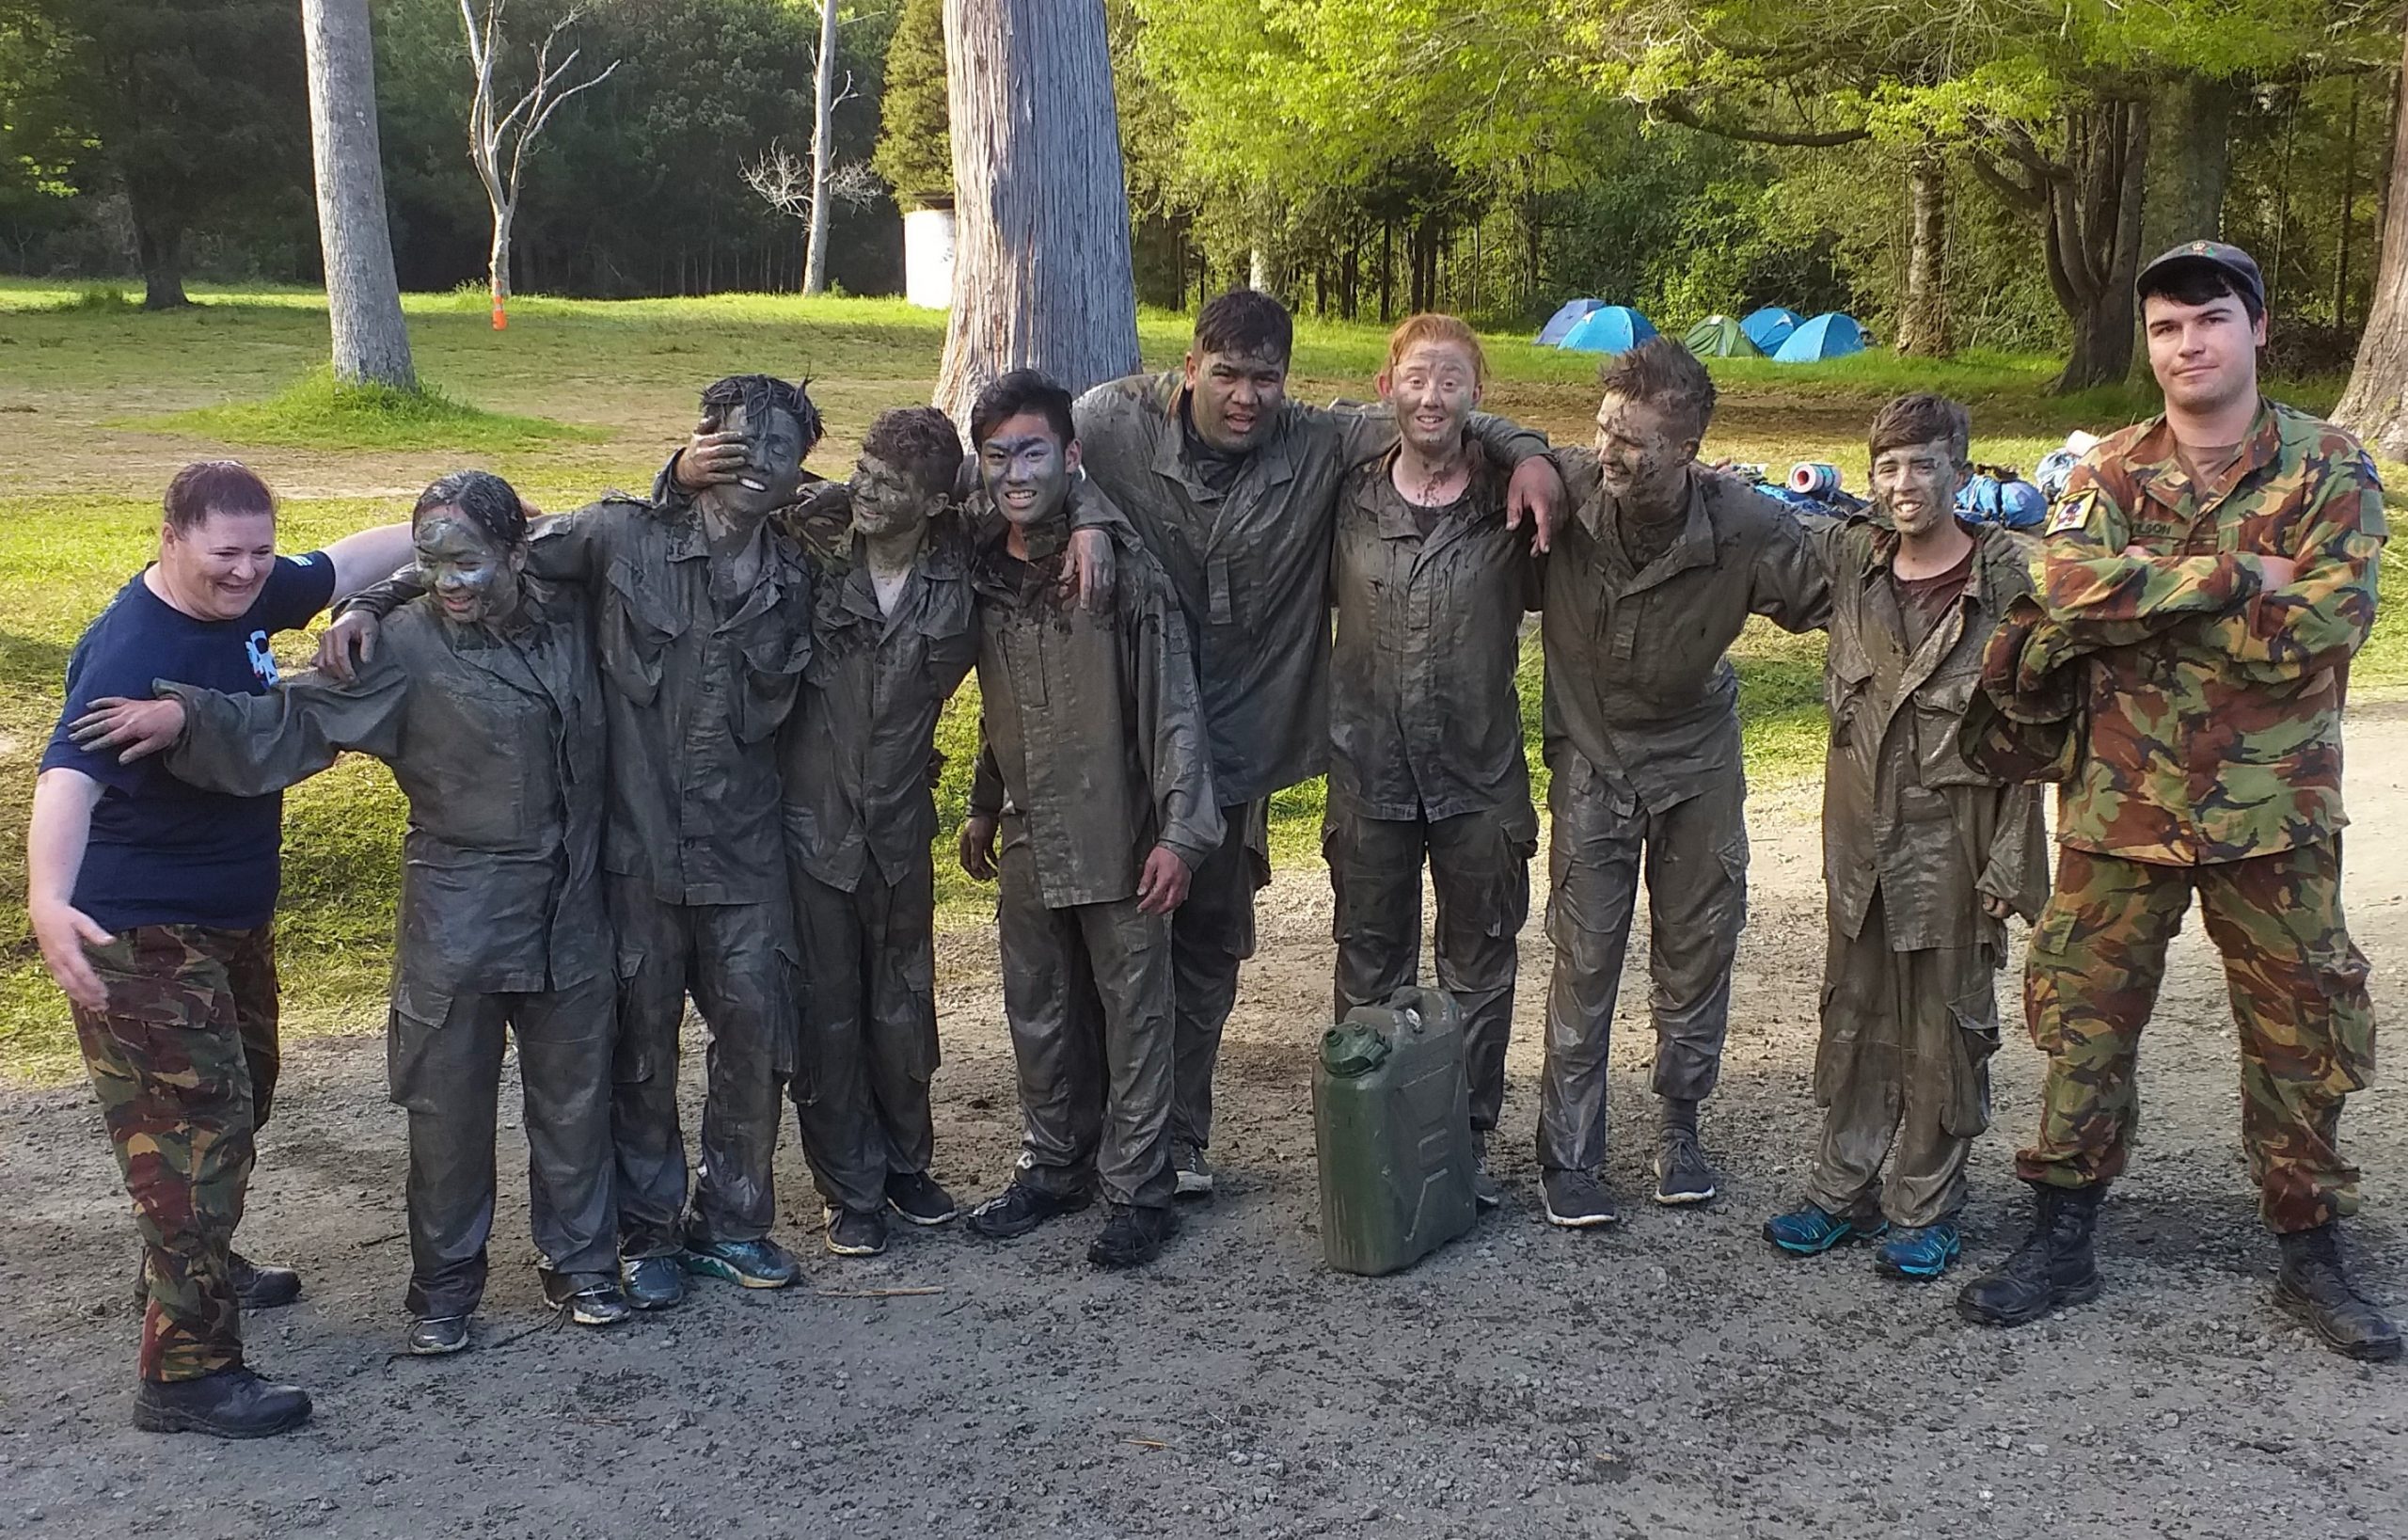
{"x":1915,"y":486}
{"x":473,"y":576}
{"x":772,"y":469}
{"x":889,"y":500}
{"x":1234,"y":398}
{"x":1025,"y":468}
{"x":1433,"y":389}
{"x":1643,"y":453}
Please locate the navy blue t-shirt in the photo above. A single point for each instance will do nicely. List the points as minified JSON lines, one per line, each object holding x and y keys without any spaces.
{"x":163,"y":852}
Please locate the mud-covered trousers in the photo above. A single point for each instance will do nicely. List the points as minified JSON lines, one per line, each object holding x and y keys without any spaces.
{"x":1902,"y":1073}
{"x":1480,"y":872}
{"x":869,"y":1032}
{"x":1694,"y":856}
{"x":183,"y":1060}
{"x":1088,"y":993}
{"x":1209,"y":935}
{"x":447,"y":1076}
{"x":738,"y":961}
{"x":2297,"y":987}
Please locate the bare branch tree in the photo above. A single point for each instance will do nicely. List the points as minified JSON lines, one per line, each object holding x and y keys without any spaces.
{"x":499,"y":140}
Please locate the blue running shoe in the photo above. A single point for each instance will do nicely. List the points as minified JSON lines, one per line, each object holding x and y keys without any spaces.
{"x":1808,"y":1230}
{"x":755,"y":1264}
{"x":1919,"y":1251}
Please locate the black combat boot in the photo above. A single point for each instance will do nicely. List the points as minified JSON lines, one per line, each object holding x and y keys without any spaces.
{"x":2052,"y":1267}
{"x":226,"y":1404}
{"x":2312,"y":1287}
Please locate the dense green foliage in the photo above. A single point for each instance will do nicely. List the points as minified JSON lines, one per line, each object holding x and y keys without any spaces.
{"x":915,"y":143}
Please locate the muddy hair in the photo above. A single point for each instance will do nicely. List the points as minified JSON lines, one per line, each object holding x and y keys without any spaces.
{"x":758,"y":393}
{"x":1434,"y":327}
{"x":1022,"y":390}
{"x":214,"y":486}
{"x":2196,"y":281}
{"x":1245,"y":321}
{"x":921,"y":441}
{"x":483,"y":500}
{"x":1923,"y":419}
{"x":1663,"y":374}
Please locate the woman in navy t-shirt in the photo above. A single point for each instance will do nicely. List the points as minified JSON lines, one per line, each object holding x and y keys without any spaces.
{"x":152,"y":903}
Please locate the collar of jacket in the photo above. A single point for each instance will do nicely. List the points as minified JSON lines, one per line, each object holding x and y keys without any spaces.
{"x":1993,"y":546}
{"x":2155,"y":463}
{"x":1046,"y":540}
{"x":1397,"y":520}
{"x":1694,"y":549}
{"x":1168,"y":397}
{"x":940,"y":559}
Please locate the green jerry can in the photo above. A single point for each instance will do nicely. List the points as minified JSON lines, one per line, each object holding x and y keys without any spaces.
{"x":1392,"y":1120}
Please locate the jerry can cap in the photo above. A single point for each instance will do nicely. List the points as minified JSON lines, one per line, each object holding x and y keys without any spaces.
{"x":1350,"y":1048}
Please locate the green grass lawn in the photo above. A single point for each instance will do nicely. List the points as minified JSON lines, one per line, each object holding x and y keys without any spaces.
{"x":99,"y":402}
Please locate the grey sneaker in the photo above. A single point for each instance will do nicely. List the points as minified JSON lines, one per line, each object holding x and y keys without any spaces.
{"x":1576,"y":1200}
{"x":435,"y":1335}
{"x":1194,"y":1177}
{"x":1682,"y":1175}
{"x":1485,"y":1194}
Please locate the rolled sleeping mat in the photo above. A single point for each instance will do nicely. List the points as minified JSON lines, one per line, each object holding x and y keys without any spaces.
{"x":1814,"y":478}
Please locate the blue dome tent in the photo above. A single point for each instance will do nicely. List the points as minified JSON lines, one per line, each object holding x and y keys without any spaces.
{"x":1566,"y":316}
{"x":1769,"y":328}
{"x":1609,"y":328}
{"x":1829,"y":335}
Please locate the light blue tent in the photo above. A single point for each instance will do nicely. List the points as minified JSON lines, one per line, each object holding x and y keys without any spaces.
{"x":1769,"y":328}
{"x":1829,"y":335}
{"x":1609,"y":328}
{"x":1567,"y":316}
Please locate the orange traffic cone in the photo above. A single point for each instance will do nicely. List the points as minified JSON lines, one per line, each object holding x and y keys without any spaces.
{"x":500,"y":321}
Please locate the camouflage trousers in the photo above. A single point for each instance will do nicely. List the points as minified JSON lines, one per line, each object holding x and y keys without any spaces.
{"x":2299,"y":997}
{"x":184,"y":1062}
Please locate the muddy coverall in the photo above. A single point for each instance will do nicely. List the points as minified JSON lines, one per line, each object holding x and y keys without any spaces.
{"x":858,"y":758}
{"x":2211,"y":762}
{"x":1426,"y":760}
{"x":1094,"y":754}
{"x":1247,"y":546}
{"x":497,"y":738}
{"x":1642,"y":732}
{"x":698,"y":676}
{"x":1913,"y":839}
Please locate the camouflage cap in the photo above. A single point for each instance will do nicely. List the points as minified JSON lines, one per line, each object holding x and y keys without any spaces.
{"x":2233,"y":263}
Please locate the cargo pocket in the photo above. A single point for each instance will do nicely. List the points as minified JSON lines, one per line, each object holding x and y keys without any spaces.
{"x":1333,"y":855}
{"x":786,"y":1015}
{"x":2347,"y":1057}
{"x":1974,"y":1038}
{"x":2043,"y":967}
{"x":1835,"y":1048}
{"x":632,"y":1057}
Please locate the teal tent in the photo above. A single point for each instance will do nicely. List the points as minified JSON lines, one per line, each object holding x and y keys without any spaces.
{"x":1720,"y":336}
{"x":1609,"y":328}
{"x":1829,"y":335}
{"x":1568,"y":316}
{"x":1769,"y":327}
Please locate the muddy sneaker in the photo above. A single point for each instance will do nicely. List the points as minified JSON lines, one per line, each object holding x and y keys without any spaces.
{"x":855,"y":1233}
{"x":1133,"y":1236}
{"x":1810,"y":1229}
{"x":2312,"y":1286}
{"x":1018,"y":1208}
{"x":591,"y":1299}
{"x":228,"y":1404}
{"x":652,"y":1283}
{"x":758,"y":1264}
{"x":1918,"y":1252}
{"x":916,"y":1196}
{"x":1682,"y":1175}
{"x":1576,"y":1200}
{"x":1188,"y":1169}
{"x":263,"y":1288}
{"x":432,"y":1336}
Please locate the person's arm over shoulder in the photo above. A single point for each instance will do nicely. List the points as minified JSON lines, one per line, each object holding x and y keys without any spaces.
{"x":2098,"y":589}
{"x":1789,"y":584}
{"x":250,"y":745}
{"x":2320,"y":618}
{"x":368,"y":556}
{"x":1366,"y":430}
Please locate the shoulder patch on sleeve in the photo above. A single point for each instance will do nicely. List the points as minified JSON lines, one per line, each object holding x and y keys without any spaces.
{"x":2073,"y":513}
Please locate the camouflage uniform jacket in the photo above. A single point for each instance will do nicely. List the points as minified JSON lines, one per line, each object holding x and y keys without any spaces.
{"x":2213,"y":702}
{"x":497,"y":741}
{"x":1636,"y":680}
{"x":1249,"y":563}
{"x":1424,"y":721}
{"x":1093,"y":736}
{"x":699,"y":682}
{"x":859,"y":752}
{"x":1903,"y":815}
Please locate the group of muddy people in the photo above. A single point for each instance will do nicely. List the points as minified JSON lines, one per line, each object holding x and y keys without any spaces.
{"x":684,"y":746}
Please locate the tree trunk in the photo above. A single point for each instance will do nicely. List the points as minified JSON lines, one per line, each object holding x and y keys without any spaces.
{"x":2375,"y":405}
{"x":2094,"y":235}
{"x":363,"y":298}
{"x":2189,"y":162}
{"x":823,"y":152}
{"x":159,"y":248}
{"x":498,"y":259}
{"x":1041,"y":275}
{"x":1922,"y":319}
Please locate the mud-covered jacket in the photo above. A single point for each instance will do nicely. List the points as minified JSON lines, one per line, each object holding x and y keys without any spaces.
{"x":698,"y":686}
{"x":497,"y":741}
{"x":1424,"y":721}
{"x":1093,"y":737}
{"x":1250,"y":564}
{"x":2213,"y":702}
{"x":1636,"y":680}
{"x":1904,"y":816}
{"x":858,"y":751}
